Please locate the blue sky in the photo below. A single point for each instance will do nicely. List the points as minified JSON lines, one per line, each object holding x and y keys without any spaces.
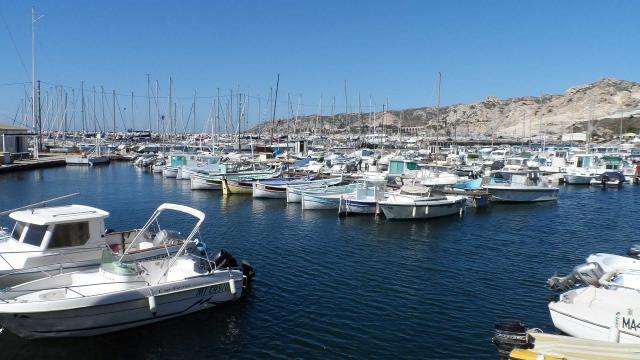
{"x":383,"y":49}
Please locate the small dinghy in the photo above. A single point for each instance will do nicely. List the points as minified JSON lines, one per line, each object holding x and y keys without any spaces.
{"x":123,"y":294}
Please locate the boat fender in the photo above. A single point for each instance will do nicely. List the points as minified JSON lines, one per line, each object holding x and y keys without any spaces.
{"x":232,"y":286}
{"x":152,"y":304}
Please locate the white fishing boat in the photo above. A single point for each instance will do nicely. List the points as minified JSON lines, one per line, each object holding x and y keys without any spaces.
{"x":120,"y":294}
{"x":364,"y":200}
{"x":213,"y":181}
{"x":52,"y":240}
{"x":325,"y":198}
{"x":417,"y":202}
{"x":519,"y":187}
{"x":604,"y":306}
{"x":278,"y":189}
{"x":585,"y":168}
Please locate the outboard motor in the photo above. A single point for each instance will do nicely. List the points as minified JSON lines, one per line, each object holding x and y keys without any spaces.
{"x":585,"y":274}
{"x":247,"y":271}
{"x":510,"y":335}
{"x":224,"y":259}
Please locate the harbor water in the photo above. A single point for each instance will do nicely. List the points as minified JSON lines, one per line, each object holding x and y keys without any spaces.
{"x":329,"y":287}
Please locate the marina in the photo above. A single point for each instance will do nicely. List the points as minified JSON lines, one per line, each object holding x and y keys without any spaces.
{"x":305,"y":180}
{"x":283,"y":312}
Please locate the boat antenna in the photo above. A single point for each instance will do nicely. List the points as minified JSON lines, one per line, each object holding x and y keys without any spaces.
{"x":41,"y":203}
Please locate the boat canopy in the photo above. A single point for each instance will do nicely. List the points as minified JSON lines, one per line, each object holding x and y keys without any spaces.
{"x":58,"y":214}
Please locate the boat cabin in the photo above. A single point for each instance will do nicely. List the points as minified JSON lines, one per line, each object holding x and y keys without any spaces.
{"x":612,"y":162}
{"x":56,"y":227}
{"x":399,"y":167}
{"x":515,"y":164}
{"x":586,"y":161}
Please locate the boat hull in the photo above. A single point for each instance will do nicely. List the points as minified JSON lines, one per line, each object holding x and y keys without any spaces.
{"x":509,"y":194}
{"x":597,"y":314}
{"x":170,"y":172}
{"x":578,"y":179}
{"x":313,"y":202}
{"x":199,"y":183}
{"x":268,"y":192}
{"x":420,"y":211}
{"x":119,"y":311}
{"x":350,"y":206}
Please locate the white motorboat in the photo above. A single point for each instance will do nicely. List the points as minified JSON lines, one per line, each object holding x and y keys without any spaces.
{"x":52,"y":240}
{"x":519,"y":187}
{"x":417,"y":202}
{"x":605,"y":306}
{"x":583,"y":171}
{"x":124,"y":294}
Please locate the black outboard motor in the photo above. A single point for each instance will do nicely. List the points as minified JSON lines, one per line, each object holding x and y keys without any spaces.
{"x":510,"y":335}
{"x":224,"y":259}
{"x":247,"y":270}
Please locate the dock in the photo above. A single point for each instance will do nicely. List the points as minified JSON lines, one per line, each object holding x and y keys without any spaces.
{"x":29,"y":164}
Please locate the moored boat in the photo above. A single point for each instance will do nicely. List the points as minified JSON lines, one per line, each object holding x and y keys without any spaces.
{"x":417,"y":202}
{"x":121,"y":295}
{"x":519,"y":187}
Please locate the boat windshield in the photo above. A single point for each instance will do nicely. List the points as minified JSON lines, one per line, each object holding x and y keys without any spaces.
{"x":17,"y":230}
{"x":34,"y":234}
{"x":111,"y":263}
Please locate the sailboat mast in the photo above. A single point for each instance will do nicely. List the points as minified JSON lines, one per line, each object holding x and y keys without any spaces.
{"x":438,"y":113}
{"x":82,"y":110}
{"x":133,"y":120}
{"x":149,"y":102}
{"x":275,"y":104}
{"x":113,"y":107}
{"x":33,"y":83}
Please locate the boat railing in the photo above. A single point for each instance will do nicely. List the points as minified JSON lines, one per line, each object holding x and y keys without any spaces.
{"x":72,"y":288}
{"x":49,"y":270}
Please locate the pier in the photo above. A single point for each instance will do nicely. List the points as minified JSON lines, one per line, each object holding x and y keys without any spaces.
{"x":30,"y":164}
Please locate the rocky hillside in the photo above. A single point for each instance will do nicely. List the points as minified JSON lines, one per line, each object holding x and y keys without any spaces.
{"x":603,"y":102}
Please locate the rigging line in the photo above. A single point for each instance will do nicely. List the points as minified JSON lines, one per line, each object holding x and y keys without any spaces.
{"x":15,"y":47}
{"x":205,"y":97}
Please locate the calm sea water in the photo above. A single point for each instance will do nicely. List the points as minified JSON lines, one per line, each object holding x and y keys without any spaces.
{"x":358,"y":287}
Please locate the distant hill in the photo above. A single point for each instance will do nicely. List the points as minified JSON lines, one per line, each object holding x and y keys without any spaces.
{"x":604,"y":102}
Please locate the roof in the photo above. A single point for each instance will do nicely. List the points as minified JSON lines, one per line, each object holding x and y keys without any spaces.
{"x":58,"y":214}
{"x":12,"y":127}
